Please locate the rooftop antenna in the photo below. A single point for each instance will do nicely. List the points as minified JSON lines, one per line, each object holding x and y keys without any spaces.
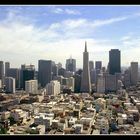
{"x":85,"y":46}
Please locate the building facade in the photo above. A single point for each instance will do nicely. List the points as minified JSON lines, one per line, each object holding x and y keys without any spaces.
{"x":31,"y":86}
{"x":53,"y":88}
{"x":98,"y":65}
{"x":2,"y":71}
{"x":10,"y":85}
{"x":114,"y":61}
{"x":44,"y":72}
{"x":14,"y":72}
{"x":71,"y":65}
{"x":7,"y":66}
{"x":134,"y":73}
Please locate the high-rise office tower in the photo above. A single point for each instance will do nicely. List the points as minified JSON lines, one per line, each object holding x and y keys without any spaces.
{"x":54,"y":70}
{"x":62,"y":72}
{"x":71,"y":65}
{"x":110,"y":82}
{"x":98,"y":65}
{"x":91,"y":65}
{"x":10,"y":84}
{"x":85,"y":83}
{"x":7,"y":66}
{"x":114,"y":61}
{"x":2,"y":71}
{"x":127,"y":78}
{"x":14,"y":72}
{"x":44,"y":72}
{"x":77,"y":83}
{"x":134,"y":73}
{"x":93,"y":76}
{"x":27,"y":72}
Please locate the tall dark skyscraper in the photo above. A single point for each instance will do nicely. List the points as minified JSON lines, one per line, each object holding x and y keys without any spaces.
{"x":71,"y":65}
{"x":85,"y":83}
{"x":77,"y":83}
{"x":114,"y":61}
{"x":98,"y":65}
{"x":7,"y":66}
{"x":2,"y":71}
{"x":44,"y":72}
{"x":27,"y":72}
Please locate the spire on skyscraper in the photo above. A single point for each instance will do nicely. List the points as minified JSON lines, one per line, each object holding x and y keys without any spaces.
{"x":85,"y":46}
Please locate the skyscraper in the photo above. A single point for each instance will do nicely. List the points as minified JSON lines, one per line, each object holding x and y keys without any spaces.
{"x":44,"y":72}
{"x":85,"y":83}
{"x":98,"y":65}
{"x":77,"y":83}
{"x":91,"y":65}
{"x":134,"y":73}
{"x":2,"y":71}
{"x":114,"y":61}
{"x":10,"y":85}
{"x":71,"y":65}
{"x":14,"y":72}
{"x":28,"y":74}
{"x":7,"y":66}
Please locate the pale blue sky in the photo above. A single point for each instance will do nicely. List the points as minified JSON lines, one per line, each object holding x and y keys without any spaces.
{"x":30,"y":33}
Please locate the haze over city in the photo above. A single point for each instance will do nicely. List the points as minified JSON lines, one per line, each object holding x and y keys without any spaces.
{"x":30,"y":33}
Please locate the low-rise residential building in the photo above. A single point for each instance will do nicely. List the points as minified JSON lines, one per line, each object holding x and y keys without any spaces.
{"x":19,"y":115}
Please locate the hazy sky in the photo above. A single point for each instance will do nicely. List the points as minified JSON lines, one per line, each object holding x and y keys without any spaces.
{"x":30,"y":33}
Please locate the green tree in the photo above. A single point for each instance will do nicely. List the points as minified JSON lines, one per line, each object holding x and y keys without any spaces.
{"x":3,"y":130}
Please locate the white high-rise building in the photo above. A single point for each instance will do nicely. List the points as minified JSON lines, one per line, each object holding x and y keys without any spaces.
{"x":53,"y":88}
{"x":134,"y":73}
{"x":71,"y":83}
{"x":31,"y":86}
{"x":101,"y":83}
{"x":10,"y":84}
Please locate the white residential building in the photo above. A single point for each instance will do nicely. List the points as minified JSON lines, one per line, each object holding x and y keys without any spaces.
{"x":31,"y":86}
{"x":53,"y":88}
{"x":71,"y":83}
{"x":44,"y":119}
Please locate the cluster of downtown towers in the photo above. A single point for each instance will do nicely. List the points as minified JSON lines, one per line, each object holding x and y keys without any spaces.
{"x":83,"y":82}
{"x":48,"y":70}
